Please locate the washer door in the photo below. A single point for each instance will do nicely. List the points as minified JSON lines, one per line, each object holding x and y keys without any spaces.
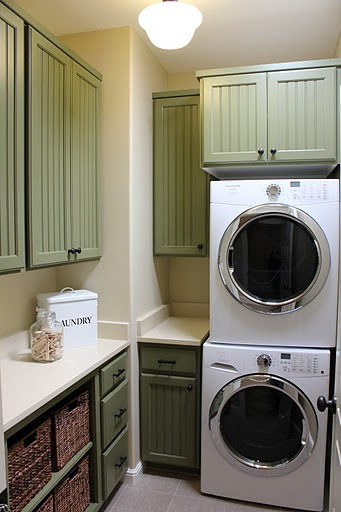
{"x":263,"y":425}
{"x":274,"y":259}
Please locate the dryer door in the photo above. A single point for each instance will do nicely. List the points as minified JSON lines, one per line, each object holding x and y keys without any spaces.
{"x":274,"y":259}
{"x":263,"y":425}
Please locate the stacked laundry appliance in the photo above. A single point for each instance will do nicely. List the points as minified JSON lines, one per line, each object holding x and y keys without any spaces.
{"x":273,"y":309}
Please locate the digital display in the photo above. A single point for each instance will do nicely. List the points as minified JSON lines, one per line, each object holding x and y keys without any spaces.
{"x":295,"y":183}
{"x":285,"y":356}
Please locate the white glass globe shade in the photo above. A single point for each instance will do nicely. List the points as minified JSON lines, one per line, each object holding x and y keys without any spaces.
{"x":171,"y":24}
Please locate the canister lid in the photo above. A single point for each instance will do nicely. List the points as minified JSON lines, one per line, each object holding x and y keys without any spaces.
{"x":66,"y":295}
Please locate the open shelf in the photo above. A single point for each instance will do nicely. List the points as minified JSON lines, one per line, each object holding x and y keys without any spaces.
{"x":58,"y":477}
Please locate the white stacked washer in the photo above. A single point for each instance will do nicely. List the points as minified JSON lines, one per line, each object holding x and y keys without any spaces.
{"x":263,"y":438}
{"x":273,"y":307}
{"x":274,"y":262}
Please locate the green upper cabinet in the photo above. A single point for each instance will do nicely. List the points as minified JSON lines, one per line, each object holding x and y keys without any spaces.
{"x":234,"y":119}
{"x":49,"y":152}
{"x":268,"y":117}
{"x":302,"y":115}
{"x":12,"y":256}
{"x":63,"y":153}
{"x":180,"y":186}
{"x":85,"y":163}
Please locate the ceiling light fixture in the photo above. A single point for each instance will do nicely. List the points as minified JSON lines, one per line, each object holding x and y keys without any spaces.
{"x":170,"y":24}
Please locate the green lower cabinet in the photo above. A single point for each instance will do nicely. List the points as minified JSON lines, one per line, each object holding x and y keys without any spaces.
{"x":180,"y":186}
{"x":12,"y":246}
{"x":115,"y":462}
{"x":169,"y":419}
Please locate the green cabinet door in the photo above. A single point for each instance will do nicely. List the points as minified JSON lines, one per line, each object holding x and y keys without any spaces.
{"x":48,"y":152}
{"x":180,"y":186}
{"x":169,"y":419}
{"x":302,"y":115}
{"x":234,"y":119}
{"x":85,"y":163}
{"x":12,"y":256}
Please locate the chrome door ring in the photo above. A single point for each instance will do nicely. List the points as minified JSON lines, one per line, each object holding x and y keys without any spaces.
{"x":309,"y":434}
{"x":273,"y":307}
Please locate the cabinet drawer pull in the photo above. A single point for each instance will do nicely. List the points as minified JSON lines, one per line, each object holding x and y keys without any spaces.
{"x":122,"y":461}
{"x":166,"y":361}
{"x":119,"y":372}
{"x":122,"y":411}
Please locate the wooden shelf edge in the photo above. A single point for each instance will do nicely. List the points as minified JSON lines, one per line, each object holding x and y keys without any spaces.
{"x":58,"y":477}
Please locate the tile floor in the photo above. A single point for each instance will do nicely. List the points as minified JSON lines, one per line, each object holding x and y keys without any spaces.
{"x":171,"y":492}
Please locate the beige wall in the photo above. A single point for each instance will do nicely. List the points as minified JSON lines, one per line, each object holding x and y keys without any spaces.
{"x":109,"y":52}
{"x":18,"y":298}
{"x":338,"y":47}
{"x":178,"y":81}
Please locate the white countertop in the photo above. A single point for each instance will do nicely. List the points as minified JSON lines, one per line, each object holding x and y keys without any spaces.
{"x":27,"y":385}
{"x":178,"y":331}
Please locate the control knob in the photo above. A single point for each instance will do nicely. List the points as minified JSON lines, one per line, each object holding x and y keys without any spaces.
{"x":264,"y":360}
{"x":273,"y":190}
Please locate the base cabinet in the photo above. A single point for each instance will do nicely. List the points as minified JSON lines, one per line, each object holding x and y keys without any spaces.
{"x":106,"y":467}
{"x":170,"y":405}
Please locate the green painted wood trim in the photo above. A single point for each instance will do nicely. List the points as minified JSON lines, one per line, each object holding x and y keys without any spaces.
{"x":56,"y":478}
{"x":51,"y":37}
{"x":12,"y":228}
{"x":175,"y":94}
{"x":95,"y":454}
{"x":282,"y":66}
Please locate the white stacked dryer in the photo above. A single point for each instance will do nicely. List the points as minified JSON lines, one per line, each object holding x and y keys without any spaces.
{"x":273,"y":312}
{"x":274,"y":262}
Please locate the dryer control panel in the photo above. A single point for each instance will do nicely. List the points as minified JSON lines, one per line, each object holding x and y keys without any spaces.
{"x":291,"y":363}
{"x":285,"y":361}
{"x":293,"y":192}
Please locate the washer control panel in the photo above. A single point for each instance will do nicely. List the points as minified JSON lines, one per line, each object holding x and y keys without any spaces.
{"x":287,"y":362}
{"x":300,"y":191}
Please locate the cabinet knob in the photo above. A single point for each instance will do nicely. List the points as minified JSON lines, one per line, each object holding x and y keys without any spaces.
{"x":261,"y":151}
{"x":189,"y":388}
{"x":120,"y":413}
{"x":200,"y":246}
{"x":122,"y":461}
{"x":72,"y":251}
{"x":78,"y":251}
{"x":273,"y":151}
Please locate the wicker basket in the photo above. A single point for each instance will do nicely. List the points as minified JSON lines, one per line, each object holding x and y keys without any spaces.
{"x":46,"y":506}
{"x":29,"y":465}
{"x":74,"y":492}
{"x":70,"y":429}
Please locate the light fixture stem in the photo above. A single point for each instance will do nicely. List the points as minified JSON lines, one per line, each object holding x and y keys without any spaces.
{"x":169,"y":0}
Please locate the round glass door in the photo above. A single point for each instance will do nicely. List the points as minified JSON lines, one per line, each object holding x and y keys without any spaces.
{"x":274,"y":259}
{"x":263,"y":424}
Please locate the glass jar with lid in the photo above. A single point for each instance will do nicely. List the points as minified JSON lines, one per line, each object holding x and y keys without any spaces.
{"x":46,"y":337}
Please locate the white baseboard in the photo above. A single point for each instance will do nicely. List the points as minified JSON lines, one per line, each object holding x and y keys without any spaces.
{"x":133,"y":474}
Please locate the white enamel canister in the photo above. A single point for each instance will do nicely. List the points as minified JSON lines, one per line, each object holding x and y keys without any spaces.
{"x":77,"y":310}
